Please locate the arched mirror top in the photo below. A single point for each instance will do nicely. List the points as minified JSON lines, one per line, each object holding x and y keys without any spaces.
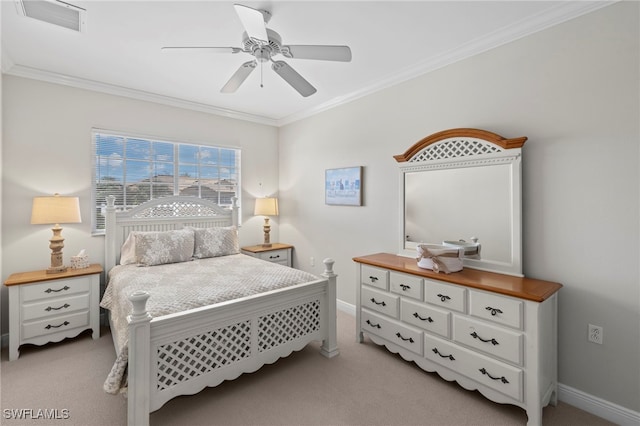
{"x":460,"y":185}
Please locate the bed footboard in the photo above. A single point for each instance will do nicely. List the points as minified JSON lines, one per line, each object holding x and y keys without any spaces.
{"x":181,"y":354}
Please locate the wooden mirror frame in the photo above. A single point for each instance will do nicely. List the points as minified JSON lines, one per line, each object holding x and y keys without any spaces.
{"x":464,"y":148}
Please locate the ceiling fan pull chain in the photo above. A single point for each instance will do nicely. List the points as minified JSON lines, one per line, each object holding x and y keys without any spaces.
{"x":261,"y":64}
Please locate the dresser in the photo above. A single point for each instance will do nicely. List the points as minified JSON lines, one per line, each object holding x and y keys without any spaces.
{"x":487,"y":331}
{"x":50,"y":307}
{"x":276,"y":253}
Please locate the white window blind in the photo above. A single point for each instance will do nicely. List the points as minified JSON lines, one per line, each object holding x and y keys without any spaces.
{"x":138,"y":169}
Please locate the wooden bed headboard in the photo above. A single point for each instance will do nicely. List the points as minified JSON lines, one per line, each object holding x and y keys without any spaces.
{"x":162,"y":214}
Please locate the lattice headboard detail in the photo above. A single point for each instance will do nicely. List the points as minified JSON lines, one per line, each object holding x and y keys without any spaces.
{"x":162,"y":214}
{"x":457,"y":144}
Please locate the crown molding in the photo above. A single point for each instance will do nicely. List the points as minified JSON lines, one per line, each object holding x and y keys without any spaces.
{"x":518,"y":29}
{"x":563,"y":12}
{"x":97,"y":86}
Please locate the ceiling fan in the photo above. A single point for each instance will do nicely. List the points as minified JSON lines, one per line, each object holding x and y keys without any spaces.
{"x":263,"y":44}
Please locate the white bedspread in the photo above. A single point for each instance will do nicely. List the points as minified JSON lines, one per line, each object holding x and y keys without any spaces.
{"x":182,"y":286}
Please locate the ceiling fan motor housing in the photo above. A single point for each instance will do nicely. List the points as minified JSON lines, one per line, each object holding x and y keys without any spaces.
{"x":263,"y":52}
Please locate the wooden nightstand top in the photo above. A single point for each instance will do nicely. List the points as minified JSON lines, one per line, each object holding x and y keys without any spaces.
{"x":260,"y":249}
{"x":38,"y":276}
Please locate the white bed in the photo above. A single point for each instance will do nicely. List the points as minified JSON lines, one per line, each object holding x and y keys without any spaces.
{"x":170,"y":353}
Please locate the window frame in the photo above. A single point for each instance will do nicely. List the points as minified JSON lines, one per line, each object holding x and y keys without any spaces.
{"x":176,"y":186}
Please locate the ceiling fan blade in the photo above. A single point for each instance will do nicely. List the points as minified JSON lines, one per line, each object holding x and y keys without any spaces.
{"x":292,"y":77}
{"x":253,"y":23}
{"x":211,"y":49}
{"x":323,"y":53}
{"x":239,"y":77}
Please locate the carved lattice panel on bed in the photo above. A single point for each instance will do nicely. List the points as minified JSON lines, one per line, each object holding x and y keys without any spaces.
{"x":200,"y":354}
{"x":288,"y":324}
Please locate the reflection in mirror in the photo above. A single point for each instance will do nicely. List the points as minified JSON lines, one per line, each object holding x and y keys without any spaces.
{"x":459,"y":204}
{"x":462,"y":184}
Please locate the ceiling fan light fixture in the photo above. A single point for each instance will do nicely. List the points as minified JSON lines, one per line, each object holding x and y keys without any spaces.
{"x":54,"y":12}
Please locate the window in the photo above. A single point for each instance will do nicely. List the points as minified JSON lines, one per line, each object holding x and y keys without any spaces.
{"x":138,"y":169}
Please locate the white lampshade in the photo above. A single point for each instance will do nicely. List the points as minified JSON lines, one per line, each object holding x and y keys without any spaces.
{"x":55,"y":210}
{"x":266,"y":207}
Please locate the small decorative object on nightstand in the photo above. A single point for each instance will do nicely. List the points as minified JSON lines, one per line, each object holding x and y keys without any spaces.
{"x":276,"y":253}
{"x":46,"y":307}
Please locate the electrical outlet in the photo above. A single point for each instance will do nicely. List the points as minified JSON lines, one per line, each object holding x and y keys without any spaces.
{"x":312,"y":261}
{"x":595,"y":334}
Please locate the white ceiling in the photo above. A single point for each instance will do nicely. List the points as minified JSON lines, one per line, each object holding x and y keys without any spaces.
{"x":391,"y":41}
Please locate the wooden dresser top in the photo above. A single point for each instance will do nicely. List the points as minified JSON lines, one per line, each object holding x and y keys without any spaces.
{"x":524,"y":288}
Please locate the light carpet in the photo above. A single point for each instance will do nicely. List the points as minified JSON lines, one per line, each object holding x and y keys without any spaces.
{"x":364,"y":385}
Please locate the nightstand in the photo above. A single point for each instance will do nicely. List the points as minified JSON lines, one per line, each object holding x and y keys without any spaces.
{"x":277,"y":253}
{"x":47,"y":308}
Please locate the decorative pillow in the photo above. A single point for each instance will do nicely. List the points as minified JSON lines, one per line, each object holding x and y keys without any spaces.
{"x":214,"y":242}
{"x":157,"y":248}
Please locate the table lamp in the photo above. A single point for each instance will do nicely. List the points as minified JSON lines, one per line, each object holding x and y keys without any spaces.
{"x":55,"y":210}
{"x":266,"y":207}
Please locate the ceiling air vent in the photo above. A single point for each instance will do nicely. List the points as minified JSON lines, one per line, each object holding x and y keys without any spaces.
{"x":54,"y":12}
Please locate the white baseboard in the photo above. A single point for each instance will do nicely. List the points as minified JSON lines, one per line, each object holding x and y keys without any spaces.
{"x":597,"y":406}
{"x":589,"y":403}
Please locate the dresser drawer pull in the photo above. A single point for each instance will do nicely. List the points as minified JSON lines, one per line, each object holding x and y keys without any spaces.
{"x":410,"y":339}
{"x":494,"y":311}
{"x":274,"y":257}
{"x":417,"y":315}
{"x":373,"y":279}
{"x":405,"y":287}
{"x":435,"y":351}
{"x":50,"y":290}
{"x":378,"y":303}
{"x":443,"y":297}
{"x":48,"y":327}
{"x":373,"y":325}
{"x":493,"y":341}
{"x":502,"y":379}
{"x":49,"y":308}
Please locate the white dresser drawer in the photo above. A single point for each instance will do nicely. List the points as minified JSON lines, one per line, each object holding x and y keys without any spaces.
{"x":375,"y":277}
{"x":276,"y":256}
{"x":489,"y":372}
{"x":54,"y":288}
{"x":401,"y":334}
{"x":429,"y":318}
{"x":495,"y":341}
{"x":445,"y":295}
{"x":495,"y":308}
{"x":380,"y":301}
{"x":54,"y":307}
{"x":406,"y":285}
{"x":55,"y":324}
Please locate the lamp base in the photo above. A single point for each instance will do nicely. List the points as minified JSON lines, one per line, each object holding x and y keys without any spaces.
{"x":56,"y":269}
{"x":267,"y":245}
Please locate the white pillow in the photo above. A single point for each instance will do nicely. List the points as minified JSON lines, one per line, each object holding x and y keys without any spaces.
{"x":157,"y":248}
{"x":214,"y":242}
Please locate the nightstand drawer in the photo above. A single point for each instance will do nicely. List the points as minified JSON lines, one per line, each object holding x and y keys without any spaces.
{"x":54,"y":288}
{"x":55,"y":324}
{"x":53,"y":307}
{"x":276,"y":256}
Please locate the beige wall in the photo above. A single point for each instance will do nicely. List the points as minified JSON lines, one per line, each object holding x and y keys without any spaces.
{"x":47,"y":149}
{"x":574,"y":91}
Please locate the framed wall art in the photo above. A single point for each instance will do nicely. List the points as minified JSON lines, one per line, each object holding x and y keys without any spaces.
{"x":343,"y":187}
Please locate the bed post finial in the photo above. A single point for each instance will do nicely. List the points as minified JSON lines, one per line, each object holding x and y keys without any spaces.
{"x":330,"y":343}
{"x":234,"y":211}
{"x":138,"y":405}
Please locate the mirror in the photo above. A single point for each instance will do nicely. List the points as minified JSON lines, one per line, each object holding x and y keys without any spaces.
{"x":463,"y":184}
